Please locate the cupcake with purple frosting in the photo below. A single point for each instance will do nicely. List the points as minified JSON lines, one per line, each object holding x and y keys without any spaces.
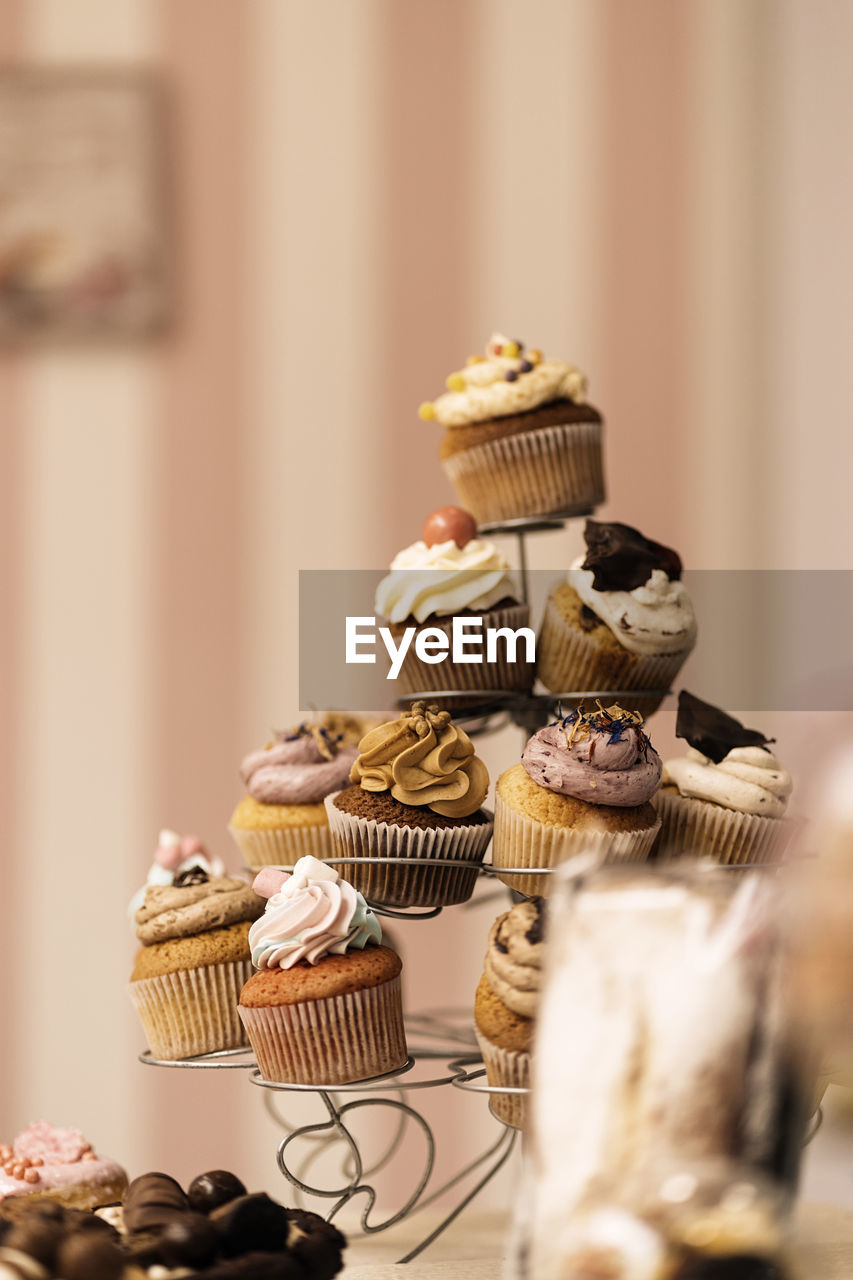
{"x":583,"y":786}
{"x":282,"y":816}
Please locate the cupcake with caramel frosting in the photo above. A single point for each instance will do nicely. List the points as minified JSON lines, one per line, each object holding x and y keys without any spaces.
{"x":583,"y":787}
{"x":417,"y":787}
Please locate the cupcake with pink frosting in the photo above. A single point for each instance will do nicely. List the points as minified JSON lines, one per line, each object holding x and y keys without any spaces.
{"x":583,"y":787}
{"x":48,"y":1163}
{"x":282,"y":817}
{"x":325,"y":1006}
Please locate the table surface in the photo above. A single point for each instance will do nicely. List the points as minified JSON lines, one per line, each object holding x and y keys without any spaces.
{"x":472,"y":1248}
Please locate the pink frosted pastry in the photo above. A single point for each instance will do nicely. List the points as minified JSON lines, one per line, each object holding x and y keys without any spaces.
{"x":49,"y":1163}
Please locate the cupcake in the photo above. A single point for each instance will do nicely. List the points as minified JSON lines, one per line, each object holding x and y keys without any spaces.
{"x":325,"y":1005}
{"x":621,"y":621}
{"x":48,"y":1163}
{"x":192,"y":963}
{"x":583,"y":787}
{"x":283,"y":816}
{"x":452,"y":573}
{"x":174,"y":855}
{"x":726,"y":798}
{"x":505,"y":1004}
{"x":414,"y":805}
{"x":520,"y":439}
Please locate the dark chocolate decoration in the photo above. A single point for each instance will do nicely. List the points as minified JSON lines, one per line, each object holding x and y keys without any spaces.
{"x":712,"y":731}
{"x":151,"y":1201}
{"x":742,"y":1266}
{"x":37,"y":1237}
{"x":89,"y":1255}
{"x":251,"y":1222}
{"x":621,"y":558}
{"x":192,"y":875}
{"x":210,"y":1190}
{"x":189,"y":1240}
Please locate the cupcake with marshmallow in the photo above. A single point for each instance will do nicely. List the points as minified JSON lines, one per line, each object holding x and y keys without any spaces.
{"x":450,"y":572}
{"x":325,"y":1005}
{"x":727,"y":797}
{"x":174,"y":856}
{"x":622,"y":620}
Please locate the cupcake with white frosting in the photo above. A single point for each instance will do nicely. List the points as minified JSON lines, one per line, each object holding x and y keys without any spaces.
{"x":450,"y":573}
{"x":726,"y":798}
{"x":622,"y":621}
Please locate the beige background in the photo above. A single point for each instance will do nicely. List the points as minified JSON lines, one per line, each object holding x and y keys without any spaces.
{"x":659,"y":191}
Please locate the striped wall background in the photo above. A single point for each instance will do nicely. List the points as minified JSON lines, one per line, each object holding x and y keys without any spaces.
{"x":659,"y":191}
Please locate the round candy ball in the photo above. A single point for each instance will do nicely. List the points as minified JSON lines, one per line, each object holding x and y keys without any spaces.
{"x":449,"y":523}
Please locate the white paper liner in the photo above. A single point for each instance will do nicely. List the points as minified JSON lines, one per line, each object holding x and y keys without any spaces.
{"x":510,"y":1067}
{"x":698,"y":828}
{"x":192,"y":1011}
{"x":569,"y":659}
{"x":282,"y":847}
{"x":521,"y":841}
{"x":334,"y":1040}
{"x":415,"y":882}
{"x":532,"y":473}
{"x":416,"y":676}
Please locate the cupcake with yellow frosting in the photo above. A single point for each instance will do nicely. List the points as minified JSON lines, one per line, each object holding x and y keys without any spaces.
{"x":520,"y":439}
{"x":451,"y":573}
{"x":414,"y":805}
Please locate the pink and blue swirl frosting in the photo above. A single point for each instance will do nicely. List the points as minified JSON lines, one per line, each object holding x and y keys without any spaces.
{"x":309,"y":914}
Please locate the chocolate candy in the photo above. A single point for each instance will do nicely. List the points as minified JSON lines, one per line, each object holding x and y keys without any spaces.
{"x":210,"y":1190}
{"x":152,"y":1201}
{"x":89,"y":1255}
{"x":449,"y":523}
{"x":320,"y":1245}
{"x":37,"y":1237}
{"x":189,"y":1240}
{"x":258,"y":1266}
{"x":251,"y":1222}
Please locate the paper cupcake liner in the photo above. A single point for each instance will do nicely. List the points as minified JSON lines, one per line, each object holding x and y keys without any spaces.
{"x":334,"y":1040}
{"x":523,"y":842}
{"x":697,"y":828}
{"x":283,"y":846}
{"x":533,"y":473}
{"x":193,"y":1011}
{"x":510,"y":1068}
{"x":414,"y":882}
{"x":568,"y":659}
{"x":423,"y":677}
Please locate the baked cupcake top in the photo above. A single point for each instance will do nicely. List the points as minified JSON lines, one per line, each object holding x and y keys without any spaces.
{"x":509,"y":379}
{"x":302,"y":766}
{"x":423,"y":759}
{"x":601,"y":757}
{"x":309,"y":914}
{"x":727,"y":764}
{"x":447,"y":570}
{"x":174,"y":855}
{"x":633,"y":585}
{"x":195,"y":903}
{"x":44,"y":1158}
{"x":513,"y":963}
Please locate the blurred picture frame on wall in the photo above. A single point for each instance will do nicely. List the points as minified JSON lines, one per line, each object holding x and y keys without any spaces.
{"x":84,"y":214}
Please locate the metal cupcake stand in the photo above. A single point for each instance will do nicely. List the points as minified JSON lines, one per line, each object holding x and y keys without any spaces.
{"x":442,"y":1047}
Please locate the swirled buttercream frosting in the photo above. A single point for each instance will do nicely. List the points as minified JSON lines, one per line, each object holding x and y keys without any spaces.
{"x":302,"y":766}
{"x":175,"y":856}
{"x":602,"y":757}
{"x":182,"y":910}
{"x":424,"y":759}
{"x":309,"y":914}
{"x":513,"y":964}
{"x":439,"y":580}
{"x":508,"y":380}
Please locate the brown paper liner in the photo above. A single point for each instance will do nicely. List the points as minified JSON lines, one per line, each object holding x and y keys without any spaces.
{"x":534,"y":473}
{"x":511,"y":1068}
{"x":414,"y":882}
{"x":193,"y":1011}
{"x":335,"y":1040}
{"x":698,"y":828}
{"x":424,"y":677}
{"x":567,"y":660}
{"x":282,"y":846}
{"x":523,"y":842}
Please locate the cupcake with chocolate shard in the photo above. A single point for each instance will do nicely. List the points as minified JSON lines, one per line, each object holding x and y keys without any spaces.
{"x":282,"y":816}
{"x":193,"y":960}
{"x":583,"y":787}
{"x":621,"y":620}
{"x":451,"y":572}
{"x":506,"y":1002}
{"x":415,"y":800}
{"x":726,"y":799}
{"x":520,"y":439}
{"x":325,"y":1005}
